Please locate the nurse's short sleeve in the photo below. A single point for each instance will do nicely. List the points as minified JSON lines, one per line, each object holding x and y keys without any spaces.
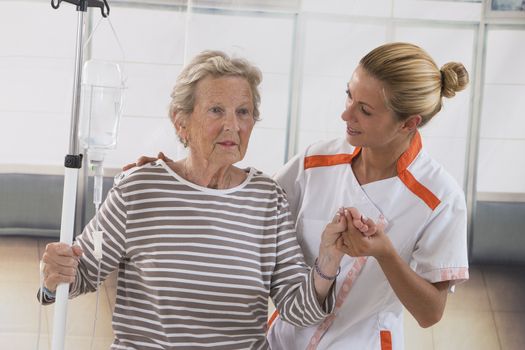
{"x":291,"y":178}
{"x":440,"y":253}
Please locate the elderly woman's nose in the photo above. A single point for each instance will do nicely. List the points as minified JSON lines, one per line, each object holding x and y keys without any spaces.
{"x":231,"y":122}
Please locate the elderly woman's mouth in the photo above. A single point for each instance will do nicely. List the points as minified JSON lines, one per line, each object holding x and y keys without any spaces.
{"x":227,"y":143}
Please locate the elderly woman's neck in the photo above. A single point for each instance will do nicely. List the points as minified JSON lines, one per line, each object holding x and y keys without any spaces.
{"x":208,"y":175}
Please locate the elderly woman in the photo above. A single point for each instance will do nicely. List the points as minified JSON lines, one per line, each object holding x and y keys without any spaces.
{"x":200,"y":244}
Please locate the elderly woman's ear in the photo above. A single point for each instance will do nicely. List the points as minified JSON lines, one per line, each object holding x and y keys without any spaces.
{"x":180,"y":126}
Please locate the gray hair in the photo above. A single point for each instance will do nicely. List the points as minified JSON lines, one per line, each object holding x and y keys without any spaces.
{"x":215,"y":64}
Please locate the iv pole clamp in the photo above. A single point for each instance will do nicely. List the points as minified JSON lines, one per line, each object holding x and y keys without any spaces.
{"x":72,"y":163}
{"x":82,"y":5}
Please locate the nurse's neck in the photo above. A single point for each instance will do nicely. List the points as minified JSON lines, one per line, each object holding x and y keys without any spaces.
{"x":379,"y":163}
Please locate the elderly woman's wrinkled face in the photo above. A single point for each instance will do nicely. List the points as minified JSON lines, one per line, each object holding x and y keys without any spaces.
{"x":219,"y":128}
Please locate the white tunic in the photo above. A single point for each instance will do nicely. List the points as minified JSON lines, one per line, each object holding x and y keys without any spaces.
{"x":425,"y":214}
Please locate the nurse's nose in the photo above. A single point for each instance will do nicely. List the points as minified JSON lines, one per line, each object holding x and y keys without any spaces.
{"x":348,"y":113}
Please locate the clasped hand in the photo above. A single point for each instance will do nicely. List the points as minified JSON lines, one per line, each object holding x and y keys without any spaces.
{"x":356,"y":235}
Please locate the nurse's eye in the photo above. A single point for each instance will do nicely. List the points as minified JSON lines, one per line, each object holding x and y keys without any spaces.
{"x":363,"y":109}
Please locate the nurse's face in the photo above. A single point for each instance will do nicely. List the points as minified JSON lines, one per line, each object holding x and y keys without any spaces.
{"x":369,"y":123}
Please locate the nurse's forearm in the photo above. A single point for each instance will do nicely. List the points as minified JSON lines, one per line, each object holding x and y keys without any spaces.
{"x":424,"y":300}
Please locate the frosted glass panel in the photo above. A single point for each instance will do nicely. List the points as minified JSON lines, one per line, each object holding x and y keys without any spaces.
{"x":31,"y":28}
{"x":376,"y":8}
{"x":154,"y":36}
{"x":449,"y":152}
{"x":33,"y":138}
{"x":502,"y":113}
{"x":501,"y":166}
{"x":149,"y":89}
{"x":265,"y":41}
{"x":274,"y":91}
{"x":266,"y":150}
{"x":36,"y":84}
{"x":443,"y":10}
{"x":323,"y":100}
{"x":505,"y":57}
{"x":335,"y":48}
{"x":144,"y":136}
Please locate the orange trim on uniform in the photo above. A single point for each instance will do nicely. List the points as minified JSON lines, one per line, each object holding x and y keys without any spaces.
{"x":408,"y":179}
{"x":418,"y":189}
{"x":329,"y":160}
{"x":386,"y":340}
{"x":272,"y":318}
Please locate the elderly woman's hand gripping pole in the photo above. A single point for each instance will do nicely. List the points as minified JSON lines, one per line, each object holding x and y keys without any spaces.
{"x":60,"y":264}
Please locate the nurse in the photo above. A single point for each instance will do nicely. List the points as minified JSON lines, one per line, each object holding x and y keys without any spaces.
{"x":414,"y":210}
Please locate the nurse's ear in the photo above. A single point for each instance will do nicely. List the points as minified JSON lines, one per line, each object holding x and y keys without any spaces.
{"x":411,"y":123}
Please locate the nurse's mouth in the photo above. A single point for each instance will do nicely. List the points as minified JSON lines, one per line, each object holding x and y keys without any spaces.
{"x":352,"y":132}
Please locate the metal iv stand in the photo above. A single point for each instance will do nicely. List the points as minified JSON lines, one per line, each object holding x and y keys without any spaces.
{"x":72,"y":163}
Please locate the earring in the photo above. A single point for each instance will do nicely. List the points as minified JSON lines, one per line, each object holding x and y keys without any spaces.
{"x":185,"y":143}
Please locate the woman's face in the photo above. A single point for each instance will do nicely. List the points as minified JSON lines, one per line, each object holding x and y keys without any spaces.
{"x":219,"y":128}
{"x":369,"y":123}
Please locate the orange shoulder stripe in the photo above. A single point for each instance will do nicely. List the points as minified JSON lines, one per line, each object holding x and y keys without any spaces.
{"x":418,"y":189}
{"x":329,"y":160}
{"x":386,"y":340}
{"x":409,"y":180}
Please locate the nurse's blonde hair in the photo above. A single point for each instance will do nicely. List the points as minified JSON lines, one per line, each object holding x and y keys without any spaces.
{"x":414,"y":85}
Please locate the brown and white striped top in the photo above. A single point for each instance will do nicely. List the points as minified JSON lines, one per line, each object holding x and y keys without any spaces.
{"x":196,"y":265}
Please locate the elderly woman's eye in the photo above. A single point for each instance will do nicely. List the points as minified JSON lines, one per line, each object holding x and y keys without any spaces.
{"x":215,"y":109}
{"x":244,"y":112}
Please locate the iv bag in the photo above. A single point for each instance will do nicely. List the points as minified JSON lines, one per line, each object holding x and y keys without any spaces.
{"x":101,"y":105}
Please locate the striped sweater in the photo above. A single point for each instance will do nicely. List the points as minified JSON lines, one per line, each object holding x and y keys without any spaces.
{"x":196,"y":265}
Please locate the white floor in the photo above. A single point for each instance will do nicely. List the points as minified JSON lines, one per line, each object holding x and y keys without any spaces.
{"x":486,"y":313}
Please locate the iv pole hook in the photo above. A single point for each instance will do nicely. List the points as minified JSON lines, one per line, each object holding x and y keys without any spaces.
{"x":82,"y":5}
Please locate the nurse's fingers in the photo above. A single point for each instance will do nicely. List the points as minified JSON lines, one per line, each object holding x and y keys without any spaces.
{"x":354,"y":216}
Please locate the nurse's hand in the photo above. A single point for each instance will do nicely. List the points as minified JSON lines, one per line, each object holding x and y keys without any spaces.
{"x":364,"y":237}
{"x":144,"y":160}
{"x":60,"y":264}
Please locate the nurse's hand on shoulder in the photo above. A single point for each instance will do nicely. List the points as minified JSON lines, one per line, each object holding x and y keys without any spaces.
{"x":364,"y":237}
{"x":145,"y":159}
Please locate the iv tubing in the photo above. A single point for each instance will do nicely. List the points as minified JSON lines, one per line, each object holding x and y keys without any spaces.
{"x":98,"y":182}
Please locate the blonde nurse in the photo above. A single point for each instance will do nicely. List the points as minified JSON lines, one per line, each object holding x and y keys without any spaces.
{"x":415,"y":250}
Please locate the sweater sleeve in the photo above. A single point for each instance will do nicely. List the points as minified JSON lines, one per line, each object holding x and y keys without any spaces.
{"x":112,"y":223}
{"x":292,"y":285}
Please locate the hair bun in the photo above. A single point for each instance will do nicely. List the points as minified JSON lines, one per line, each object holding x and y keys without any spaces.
{"x":454,"y":78}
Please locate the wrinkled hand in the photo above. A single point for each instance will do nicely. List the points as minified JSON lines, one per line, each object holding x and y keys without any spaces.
{"x":144,"y":160}
{"x":332,"y":239}
{"x":60,"y":264}
{"x":364,"y":237}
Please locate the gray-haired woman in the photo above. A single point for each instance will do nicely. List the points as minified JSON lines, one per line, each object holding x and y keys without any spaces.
{"x":200,"y":244}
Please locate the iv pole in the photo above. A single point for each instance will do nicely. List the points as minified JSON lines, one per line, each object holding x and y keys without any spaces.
{"x":72,"y":163}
